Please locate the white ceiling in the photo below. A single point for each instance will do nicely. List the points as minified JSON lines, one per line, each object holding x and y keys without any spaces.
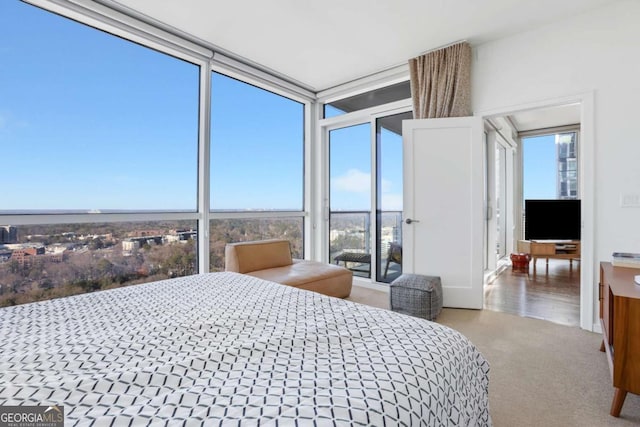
{"x":543,"y":118}
{"x":321,"y":44}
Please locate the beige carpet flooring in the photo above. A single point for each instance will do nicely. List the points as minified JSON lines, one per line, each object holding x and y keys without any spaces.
{"x":542,"y":373}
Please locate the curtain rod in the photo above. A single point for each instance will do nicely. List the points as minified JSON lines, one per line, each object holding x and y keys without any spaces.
{"x":444,"y":46}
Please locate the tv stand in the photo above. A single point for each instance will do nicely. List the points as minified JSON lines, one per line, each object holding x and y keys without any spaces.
{"x":558,"y":249}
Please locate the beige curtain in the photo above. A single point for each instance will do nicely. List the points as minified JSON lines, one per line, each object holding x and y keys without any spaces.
{"x":441,"y":83}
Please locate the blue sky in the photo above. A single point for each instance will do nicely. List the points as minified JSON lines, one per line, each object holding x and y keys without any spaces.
{"x":350,"y":168}
{"x":86,"y":122}
{"x":257,"y":151}
{"x":539,"y":179}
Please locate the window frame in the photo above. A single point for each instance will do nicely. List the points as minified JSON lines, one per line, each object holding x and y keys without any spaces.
{"x":236,"y":73}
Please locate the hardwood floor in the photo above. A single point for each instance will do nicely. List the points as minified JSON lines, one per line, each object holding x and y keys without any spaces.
{"x":554,"y":296}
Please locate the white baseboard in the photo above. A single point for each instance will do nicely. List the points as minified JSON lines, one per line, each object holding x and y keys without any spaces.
{"x":366,"y":283}
{"x":490,"y":276}
{"x":597,"y":328}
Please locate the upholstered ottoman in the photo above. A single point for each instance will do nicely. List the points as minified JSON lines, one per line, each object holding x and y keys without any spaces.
{"x":416,"y":295}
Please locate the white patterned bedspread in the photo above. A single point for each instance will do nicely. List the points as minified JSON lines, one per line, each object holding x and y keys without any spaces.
{"x":230,"y":349}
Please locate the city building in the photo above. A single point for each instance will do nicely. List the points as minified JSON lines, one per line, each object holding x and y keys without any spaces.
{"x":180,"y":236}
{"x":30,"y":255}
{"x":5,"y":254}
{"x":130,"y":244}
{"x":567,"y":160}
{"x":8,"y":234}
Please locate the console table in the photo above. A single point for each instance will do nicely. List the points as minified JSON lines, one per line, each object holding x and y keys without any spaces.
{"x":620,"y":319}
{"x":560,"y":249}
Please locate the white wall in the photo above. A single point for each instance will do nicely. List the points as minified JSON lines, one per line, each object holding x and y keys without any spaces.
{"x":597,"y":51}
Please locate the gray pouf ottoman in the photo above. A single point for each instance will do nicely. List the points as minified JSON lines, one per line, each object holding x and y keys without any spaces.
{"x":416,"y":295}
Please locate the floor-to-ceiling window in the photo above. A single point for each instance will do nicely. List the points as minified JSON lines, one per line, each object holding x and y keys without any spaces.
{"x":257,"y":167}
{"x":96,"y":131}
{"x":102,"y":141}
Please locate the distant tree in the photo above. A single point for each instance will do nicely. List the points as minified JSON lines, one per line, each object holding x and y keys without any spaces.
{"x":174,"y":259}
{"x":35,"y":271}
{"x":96,"y":244}
{"x":14,"y":266}
{"x":348,"y":241}
{"x":104,"y":267}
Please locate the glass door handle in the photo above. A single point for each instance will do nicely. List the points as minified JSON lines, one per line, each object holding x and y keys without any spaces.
{"x":410,"y":221}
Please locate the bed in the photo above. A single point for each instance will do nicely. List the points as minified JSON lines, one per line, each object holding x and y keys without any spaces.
{"x":230,"y":349}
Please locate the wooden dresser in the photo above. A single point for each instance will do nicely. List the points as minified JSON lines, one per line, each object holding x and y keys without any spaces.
{"x":620,"y":318}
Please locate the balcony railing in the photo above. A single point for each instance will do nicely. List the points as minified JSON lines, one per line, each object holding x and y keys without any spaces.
{"x":350,"y":241}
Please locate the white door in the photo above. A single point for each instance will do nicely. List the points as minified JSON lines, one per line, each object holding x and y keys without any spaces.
{"x":443,"y":205}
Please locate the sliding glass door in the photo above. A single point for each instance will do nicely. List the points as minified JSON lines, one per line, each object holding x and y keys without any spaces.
{"x":365,"y":196}
{"x":350,"y":198}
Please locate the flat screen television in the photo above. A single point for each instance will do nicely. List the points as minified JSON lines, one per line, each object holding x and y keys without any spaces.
{"x":552,"y":220}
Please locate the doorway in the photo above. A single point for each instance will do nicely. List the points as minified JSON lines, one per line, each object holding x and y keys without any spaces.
{"x":364,"y":170}
{"x":546,"y":166}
